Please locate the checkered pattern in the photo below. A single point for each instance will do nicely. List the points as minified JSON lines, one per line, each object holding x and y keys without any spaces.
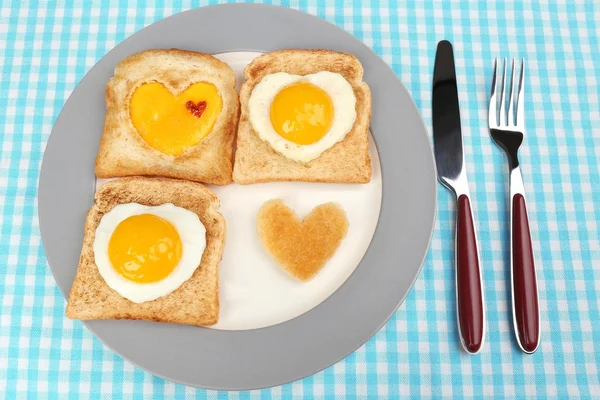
{"x":46,"y":49}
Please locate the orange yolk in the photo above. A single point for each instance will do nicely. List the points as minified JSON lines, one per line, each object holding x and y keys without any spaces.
{"x":144,"y":248}
{"x":171,"y":124}
{"x":302,"y":113}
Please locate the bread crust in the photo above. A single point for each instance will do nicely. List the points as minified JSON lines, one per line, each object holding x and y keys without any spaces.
{"x":123,"y":152}
{"x":196,"y":301}
{"x":345,"y":162}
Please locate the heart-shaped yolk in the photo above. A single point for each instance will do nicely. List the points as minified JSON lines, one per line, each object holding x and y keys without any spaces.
{"x":301,"y":247}
{"x":172,"y":124}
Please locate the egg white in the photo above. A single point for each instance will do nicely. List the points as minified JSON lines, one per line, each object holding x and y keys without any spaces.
{"x":335,"y":85}
{"x":193,"y":240}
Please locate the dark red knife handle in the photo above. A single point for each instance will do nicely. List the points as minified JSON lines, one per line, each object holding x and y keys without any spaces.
{"x":525,"y":296}
{"x":468,"y":279}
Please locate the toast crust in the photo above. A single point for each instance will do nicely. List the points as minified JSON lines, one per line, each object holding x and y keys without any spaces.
{"x":123,"y":152}
{"x":196,"y":301}
{"x":347,"y":161}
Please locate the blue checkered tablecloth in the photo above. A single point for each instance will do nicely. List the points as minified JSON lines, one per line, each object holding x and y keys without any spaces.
{"x":45,"y":50}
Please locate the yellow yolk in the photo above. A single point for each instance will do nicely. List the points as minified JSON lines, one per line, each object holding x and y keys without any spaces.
{"x":144,"y":248}
{"x":302,"y":113}
{"x":171,"y":124}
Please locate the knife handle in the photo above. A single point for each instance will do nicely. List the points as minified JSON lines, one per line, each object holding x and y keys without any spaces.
{"x":469,"y":291}
{"x":526,"y":312}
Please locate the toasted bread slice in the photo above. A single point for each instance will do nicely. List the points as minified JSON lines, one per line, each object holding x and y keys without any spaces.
{"x":123,"y":152}
{"x":196,"y":301}
{"x":347,"y":161}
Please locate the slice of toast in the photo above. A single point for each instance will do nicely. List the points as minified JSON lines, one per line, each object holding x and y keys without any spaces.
{"x":196,"y":301}
{"x":123,"y":152}
{"x":345,"y":162}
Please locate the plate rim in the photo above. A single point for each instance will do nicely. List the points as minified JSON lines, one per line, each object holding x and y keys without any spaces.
{"x":94,"y":326}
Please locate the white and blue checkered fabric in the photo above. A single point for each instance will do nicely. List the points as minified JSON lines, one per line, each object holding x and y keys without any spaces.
{"x":45,"y":49}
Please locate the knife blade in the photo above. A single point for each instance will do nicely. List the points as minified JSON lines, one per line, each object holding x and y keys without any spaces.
{"x":449,"y":157}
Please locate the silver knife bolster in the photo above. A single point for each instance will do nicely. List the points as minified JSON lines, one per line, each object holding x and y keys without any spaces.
{"x":458,"y":185}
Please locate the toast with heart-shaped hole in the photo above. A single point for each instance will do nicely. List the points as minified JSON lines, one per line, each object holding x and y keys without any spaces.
{"x":170,"y":113}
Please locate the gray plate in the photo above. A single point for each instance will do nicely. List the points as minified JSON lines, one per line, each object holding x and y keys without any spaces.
{"x":300,"y":347}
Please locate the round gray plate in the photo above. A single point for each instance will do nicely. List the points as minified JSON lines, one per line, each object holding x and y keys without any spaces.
{"x":307,"y":344}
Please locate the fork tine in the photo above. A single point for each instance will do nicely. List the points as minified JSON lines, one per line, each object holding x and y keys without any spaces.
{"x":502,"y":101}
{"x":511,"y":97}
{"x":520,"y":99}
{"x":493,"y":111}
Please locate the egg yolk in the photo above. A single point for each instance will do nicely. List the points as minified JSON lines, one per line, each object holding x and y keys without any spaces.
{"x":172,"y":124}
{"x":144,"y":248}
{"x":302,"y":113}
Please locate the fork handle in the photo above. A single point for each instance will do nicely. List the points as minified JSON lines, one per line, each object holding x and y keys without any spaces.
{"x":526,"y":313}
{"x":469,"y":291}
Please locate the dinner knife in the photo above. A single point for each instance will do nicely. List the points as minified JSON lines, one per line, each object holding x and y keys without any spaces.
{"x":450,"y":162}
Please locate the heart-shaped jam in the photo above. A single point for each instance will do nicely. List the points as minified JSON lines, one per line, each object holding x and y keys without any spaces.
{"x":301,"y":247}
{"x":171,"y":124}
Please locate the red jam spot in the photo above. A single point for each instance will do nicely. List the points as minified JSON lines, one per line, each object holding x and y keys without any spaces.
{"x":196,"y":109}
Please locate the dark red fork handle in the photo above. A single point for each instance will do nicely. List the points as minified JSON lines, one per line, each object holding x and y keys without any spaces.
{"x":469,"y":290}
{"x":525,"y":295}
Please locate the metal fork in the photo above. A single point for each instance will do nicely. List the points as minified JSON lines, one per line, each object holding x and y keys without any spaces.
{"x":508,"y":132}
